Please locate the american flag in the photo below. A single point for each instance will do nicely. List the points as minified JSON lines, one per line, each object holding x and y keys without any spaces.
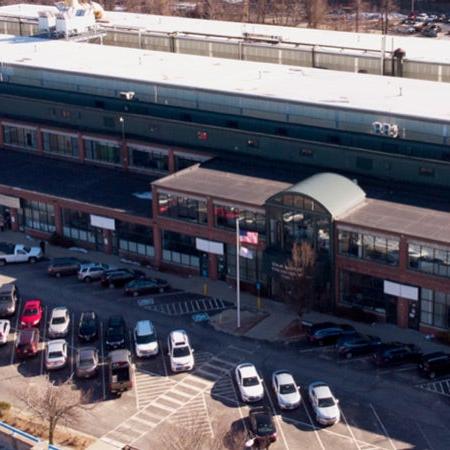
{"x":248,"y":237}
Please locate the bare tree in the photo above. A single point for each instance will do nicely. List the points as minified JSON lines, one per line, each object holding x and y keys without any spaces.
{"x":315,"y":11}
{"x":53,"y":403}
{"x":286,"y":12}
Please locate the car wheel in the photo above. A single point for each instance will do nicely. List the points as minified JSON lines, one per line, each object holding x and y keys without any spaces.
{"x":88,"y":279}
{"x":321,"y":343}
{"x":32,"y":260}
{"x":111,"y":285}
{"x":161,"y":290}
{"x":58,"y":274}
{"x":2,"y":262}
{"x":348,"y":355}
{"x":432,"y":375}
{"x":135,"y":293}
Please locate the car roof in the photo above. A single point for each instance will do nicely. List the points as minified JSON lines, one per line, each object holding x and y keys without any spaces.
{"x":88,"y":314}
{"x":6,"y":288}
{"x":86,"y":351}
{"x":116,"y":319}
{"x":321,"y":325}
{"x":59,"y":311}
{"x":321,"y":389}
{"x":119,"y":355}
{"x":144,"y":327}
{"x":56,"y":344}
{"x":247,"y":370}
{"x":284,"y":377}
{"x":32,"y":303}
{"x":27,"y":333}
{"x":178,"y":337}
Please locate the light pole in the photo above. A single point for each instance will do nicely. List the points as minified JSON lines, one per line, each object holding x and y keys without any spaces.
{"x":238,"y":275}
{"x":122,"y":125}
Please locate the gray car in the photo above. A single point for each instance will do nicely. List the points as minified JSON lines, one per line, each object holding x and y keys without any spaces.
{"x":86,"y":362}
{"x":9,"y":296}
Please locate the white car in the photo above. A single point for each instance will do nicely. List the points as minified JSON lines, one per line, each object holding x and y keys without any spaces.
{"x":324,"y":404}
{"x":58,"y":325}
{"x":5,"y":327}
{"x":180,"y":353}
{"x":56,"y":354}
{"x":250,"y":384}
{"x":145,"y":339}
{"x":92,"y":271}
{"x":286,"y":390}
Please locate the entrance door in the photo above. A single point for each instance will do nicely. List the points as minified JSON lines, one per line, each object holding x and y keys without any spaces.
{"x":413,"y":315}
{"x":99,"y":243}
{"x":221,"y":267}
{"x":391,"y":309}
{"x":204,"y":261}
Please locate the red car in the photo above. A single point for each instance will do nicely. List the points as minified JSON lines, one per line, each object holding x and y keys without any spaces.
{"x":31,"y":314}
{"x":27,"y":343}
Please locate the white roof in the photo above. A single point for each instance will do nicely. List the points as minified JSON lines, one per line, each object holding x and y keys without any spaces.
{"x":416,"y":48}
{"x":323,"y":391}
{"x":248,"y":370}
{"x":285,"y":378}
{"x":385,"y":95}
{"x":56,"y":344}
{"x":59,"y":311}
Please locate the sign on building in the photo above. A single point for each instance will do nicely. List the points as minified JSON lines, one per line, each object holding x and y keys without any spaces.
{"x":401,"y":290}
{"x":103,"y":222}
{"x":209,"y":246}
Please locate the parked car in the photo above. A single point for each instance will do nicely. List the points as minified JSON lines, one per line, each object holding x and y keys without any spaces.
{"x":5,"y":327}
{"x":397,"y":353}
{"x":250,"y":384}
{"x":92,"y":271}
{"x":145,"y":339}
{"x":120,"y":371}
{"x":435,"y":364}
{"x":86,"y":365}
{"x":88,"y":326}
{"x":430,"y":32}
{"x":357,"y":344}
{"x":56,"y":354}
{"x":59,"y":322}
{"x":116,"y":332}
{"x":9,"y":296}
{"x":31,"y":313}
{"x":286,"y":390}
{"x":180,"y":352}
{"x":328,"y":332}
{"x":120,"y":277}
{"x":146,"y":286}
{"x":15,"y":253}
{"x":324,"y":404}
{"x":27,"y":342}
{"x":262,"y":426}
{"x":64,"y":266}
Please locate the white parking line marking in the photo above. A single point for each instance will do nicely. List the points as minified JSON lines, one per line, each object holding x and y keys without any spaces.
{"x":350,"y":430}
{"x":18,"y":309}
{"x":402,"y":369}
{"x":276,"y":416}
{"x":43,"y":340}
{"x":382,"y":426}
{"x":72,"y":342}
{"x":430,"y":447}
{"x":312,"y":425}
{"x":163,"y":357}
{"x":102,"y":352}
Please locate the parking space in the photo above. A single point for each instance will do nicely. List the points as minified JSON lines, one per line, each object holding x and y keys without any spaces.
{"x":441,"y":387}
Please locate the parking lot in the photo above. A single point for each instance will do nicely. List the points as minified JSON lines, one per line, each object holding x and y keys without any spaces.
{"x":391,"y":408}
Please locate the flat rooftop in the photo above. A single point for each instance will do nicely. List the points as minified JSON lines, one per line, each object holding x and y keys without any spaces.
{"x":99,"y":186}
{"x":343,"y":90}
{"x":416,"y":48}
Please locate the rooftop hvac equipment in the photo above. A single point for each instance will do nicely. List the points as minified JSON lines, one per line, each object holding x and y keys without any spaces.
{"x":262,"y":38}
{"x":127,"y":95}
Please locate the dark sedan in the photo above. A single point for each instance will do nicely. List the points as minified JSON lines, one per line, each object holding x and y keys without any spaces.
{"x":435,"y":364}
{"x":116,"y":333}
{"x":146,"y":286}
{"x":262,"y":426}
{"x":328,"y":332}
{"x":120,"y":277}
{"x":88,"y":326}
{"x":359,"y":344}
{"x":396,"y":353}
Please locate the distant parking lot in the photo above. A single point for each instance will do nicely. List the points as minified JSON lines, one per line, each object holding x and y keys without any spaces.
{"x":381,"y":408}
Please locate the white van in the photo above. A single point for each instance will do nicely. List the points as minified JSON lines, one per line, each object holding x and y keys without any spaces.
{"x":145,"y":339}
{"x":180,"y":353}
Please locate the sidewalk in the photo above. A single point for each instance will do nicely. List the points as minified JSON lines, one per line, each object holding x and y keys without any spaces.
{"x":273,"y":321}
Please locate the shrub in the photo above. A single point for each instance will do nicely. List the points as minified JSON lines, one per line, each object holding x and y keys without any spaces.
{"x":4,"y":408}
{"x":61,"y":241}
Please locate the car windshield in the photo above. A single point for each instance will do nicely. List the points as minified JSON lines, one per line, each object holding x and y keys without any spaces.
{"x":146,"y":339}
{"x":87,"y":362}
{"x":30,"y":312}
{"x":179,"y":352}
{"x":57,"y":354}
{"x":250,"y":381}
{"x":287,"y":389}
{"x":326,"y":402}
{"x":88,"y":323}
{"x":27,"y":249}
{"x":58,"y":320}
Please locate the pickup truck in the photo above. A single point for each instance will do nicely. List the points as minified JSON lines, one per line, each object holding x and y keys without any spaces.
{"x":120,"y":371}
{"x":14,"y":253}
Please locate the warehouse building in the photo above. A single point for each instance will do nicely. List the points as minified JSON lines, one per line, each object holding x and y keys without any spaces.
{"x":173,"y":148}
{"x":408,"y":57}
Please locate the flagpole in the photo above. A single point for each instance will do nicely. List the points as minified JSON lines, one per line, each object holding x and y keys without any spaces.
{"x":238,"y":280}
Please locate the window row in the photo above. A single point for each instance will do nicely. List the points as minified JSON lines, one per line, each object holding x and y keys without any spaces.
{"x":225,"y":217}
{"x":435,"y":308}
{"x":60,"y":144}
{"x":39,"y":216}
{"x":182,"y":208}
{"x":429,"y":260}
{"x":23,"y":137}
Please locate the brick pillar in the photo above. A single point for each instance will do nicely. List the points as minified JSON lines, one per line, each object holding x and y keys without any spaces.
{"x":212,"y":266}
{"x":58,"y":219}
{"x":210,"y":212}
{"x":39,"y":141}
{"x":403,"y":253}
{"x":157,"y":244}
{"x":402,"y":312}
{"x":107,"y":241}
{"x":124,"y":154}
{"x":171,"y":161}
{"x":14,"y":219}
{"x":81,"y":150}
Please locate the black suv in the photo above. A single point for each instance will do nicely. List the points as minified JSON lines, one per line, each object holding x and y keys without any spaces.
{"x":116,"y":333}
{"x":120,"y":277}
{"x":262,"y":426}
{"x":397,"y":353}
{"x":328,"y":332}
{"x":358,"y":344}
{"x":88,"y":326}
{"x":434,"y":364}
{"x":64,"y":266}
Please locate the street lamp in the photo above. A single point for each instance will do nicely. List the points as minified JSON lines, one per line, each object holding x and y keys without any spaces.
{"x":122,"y":124}
{"x":238,"y":275}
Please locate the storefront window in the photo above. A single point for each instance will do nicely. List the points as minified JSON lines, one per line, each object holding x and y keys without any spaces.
{"x":182,"y":208}
{"x":435,"y":308}
{"x":425,"y":258}
{"x":39,"y":216}
{"x":148,"y":159}
{"x":367,"y":246}
{"x":250,"y":268}
{"x":225,"y":217}
{"x":76,"y":225}
{"x":60,"y":144}
{"x":180,"y":249}
{"x":137,"y":239}
{"x":106,"y":152}
{"x":20,"y":136}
